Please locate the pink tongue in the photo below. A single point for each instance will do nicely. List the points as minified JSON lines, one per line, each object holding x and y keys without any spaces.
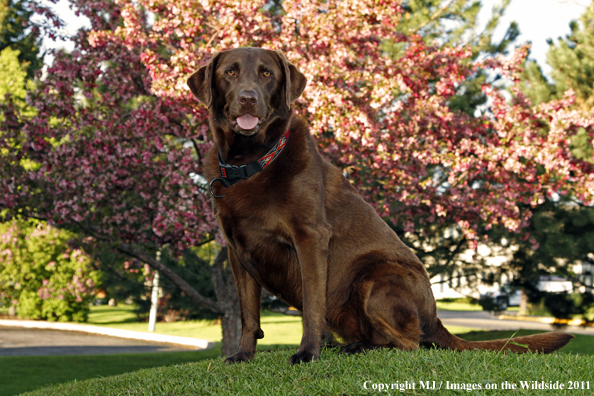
{"x":247,"y":121}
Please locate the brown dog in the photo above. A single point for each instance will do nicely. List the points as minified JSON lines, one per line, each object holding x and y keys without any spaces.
{"x":295,"y":226}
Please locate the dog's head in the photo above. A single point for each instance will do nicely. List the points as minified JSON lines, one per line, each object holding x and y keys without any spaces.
{"x":247,"y":88}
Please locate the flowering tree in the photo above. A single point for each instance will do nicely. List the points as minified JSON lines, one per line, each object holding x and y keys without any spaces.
{"x":563,"y":226}
{"x":387,"y":122}
{"x":117,"y":131}
{"x":41,"y":275}
{"x":105,"y":157}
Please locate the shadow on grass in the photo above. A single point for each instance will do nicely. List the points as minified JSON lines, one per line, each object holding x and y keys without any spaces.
{"x":115,"y":322}
{"x":105,"y":315}
{"x":26,"y":373}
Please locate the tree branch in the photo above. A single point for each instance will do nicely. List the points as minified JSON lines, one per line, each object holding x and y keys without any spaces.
{"x":465,"y":276}
{"x":434,"y":16}
{"x":197,"y":150}
{"x":214,"y":35}
{"x":206,"y":303}
{"x":455,"y":252}
{"x":580,"y":282}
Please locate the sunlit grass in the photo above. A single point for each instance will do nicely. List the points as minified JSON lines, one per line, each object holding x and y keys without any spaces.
{"x":20,"y":374}
{"x":279,"y":329}
{"x":334,"y":374}
{"x":457,"y":306}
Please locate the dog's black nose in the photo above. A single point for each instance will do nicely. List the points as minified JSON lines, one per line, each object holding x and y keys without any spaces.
{"x":248,"y":98}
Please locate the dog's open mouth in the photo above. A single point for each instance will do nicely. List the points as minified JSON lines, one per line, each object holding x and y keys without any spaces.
{"x":247,"y":123}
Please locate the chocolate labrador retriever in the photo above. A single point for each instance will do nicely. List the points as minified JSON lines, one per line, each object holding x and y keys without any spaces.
{"x":295,"y":226}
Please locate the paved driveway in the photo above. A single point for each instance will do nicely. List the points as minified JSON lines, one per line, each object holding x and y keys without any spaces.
{"x":15,"y":341}
{"x":487,"y":321}
{"x":18,"y":341}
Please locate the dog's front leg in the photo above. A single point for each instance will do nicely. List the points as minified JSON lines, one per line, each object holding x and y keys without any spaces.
{"x":312,"y":253}
{"x":249,"y":292}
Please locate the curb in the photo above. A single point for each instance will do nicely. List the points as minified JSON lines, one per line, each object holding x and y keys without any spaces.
{"x":546,"y":319}
{"x":108,"y":331}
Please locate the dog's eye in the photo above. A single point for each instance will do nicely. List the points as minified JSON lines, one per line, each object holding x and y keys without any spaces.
{"x":267,"y":74}
{"x":230,"y":72}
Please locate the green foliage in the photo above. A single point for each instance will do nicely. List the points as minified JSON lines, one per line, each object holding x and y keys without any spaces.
{"x":126,"y":279}
{"x":122,"y":278}
{"x":454,"y":23}
{"x":13,"y":82}
{"x":563,"y":230}
{"x":16,"y":33}
{"x":534,"y":84}
{"x":561,"y":235}
{"x":42,"y":275}
{"x":581,"y":147}
{"x":572,"y":64}
{"x":566,"y":306}
{"x":195,"y":268}
{"x":12,"y":75}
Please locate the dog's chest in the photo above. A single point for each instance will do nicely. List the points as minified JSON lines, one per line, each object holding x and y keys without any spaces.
{"x":266,"y":251}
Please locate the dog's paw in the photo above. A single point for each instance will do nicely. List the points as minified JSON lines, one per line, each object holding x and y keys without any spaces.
{"x":355,"y":347}
{"x":239,"y":357}
{"x":303,"y":357}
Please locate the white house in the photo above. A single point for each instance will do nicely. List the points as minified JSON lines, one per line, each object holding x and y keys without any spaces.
{"x":457,"y":286}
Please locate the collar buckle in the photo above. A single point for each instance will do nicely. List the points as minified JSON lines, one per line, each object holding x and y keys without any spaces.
{"x":233,"y":171}
{"x":231,"y":174}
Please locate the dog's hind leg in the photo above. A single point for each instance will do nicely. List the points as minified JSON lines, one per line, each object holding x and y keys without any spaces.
{"x":394,"y":321}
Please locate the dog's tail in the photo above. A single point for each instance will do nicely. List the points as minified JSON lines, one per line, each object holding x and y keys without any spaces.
{"x":542,"y":343}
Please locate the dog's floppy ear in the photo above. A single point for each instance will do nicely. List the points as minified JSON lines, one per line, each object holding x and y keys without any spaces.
{"x":201,"y":82}
{"x":295,"y":81}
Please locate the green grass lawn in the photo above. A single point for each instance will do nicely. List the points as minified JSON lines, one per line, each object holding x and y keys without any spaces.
{"x":459,"y":305}
{"x":270,"y":374}
{"x":24,"y":373}
{"x":20,"y":374}
{"x":279,"y":329}
{"x":463,"y":304}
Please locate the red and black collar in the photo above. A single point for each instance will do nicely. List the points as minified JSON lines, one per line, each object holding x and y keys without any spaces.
{"x":231,"y":174}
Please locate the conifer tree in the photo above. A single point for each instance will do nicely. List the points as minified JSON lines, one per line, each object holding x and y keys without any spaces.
{"x":450,"y":23}
{"x":562,"y":226}
{"x":456,"y":22}
{"x":18,"y":33}
{"x":572,"y":64}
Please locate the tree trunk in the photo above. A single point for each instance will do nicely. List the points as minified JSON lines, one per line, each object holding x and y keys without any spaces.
{"x":226,"y":291}
{"x":523,"y":303}
{"x":231,"y":324}
{"x":227,"y":303}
